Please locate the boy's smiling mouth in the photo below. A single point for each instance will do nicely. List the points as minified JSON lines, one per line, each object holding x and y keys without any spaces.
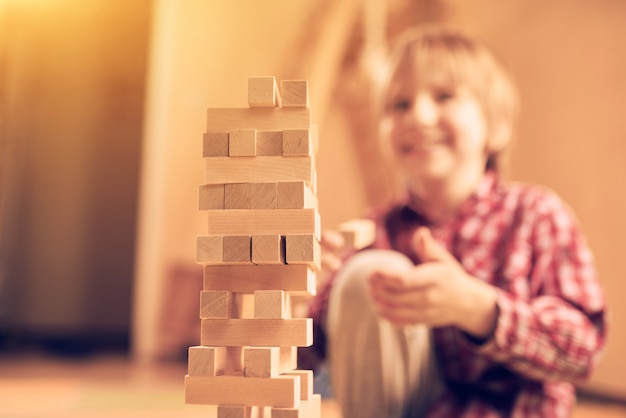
{"x":422,"y":142}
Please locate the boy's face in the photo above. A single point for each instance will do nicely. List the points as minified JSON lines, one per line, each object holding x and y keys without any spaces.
{"x":436,"y":127}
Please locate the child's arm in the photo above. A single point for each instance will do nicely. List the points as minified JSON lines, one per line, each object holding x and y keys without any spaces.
{"x":560,"y":331}
{"x":556,"y":333}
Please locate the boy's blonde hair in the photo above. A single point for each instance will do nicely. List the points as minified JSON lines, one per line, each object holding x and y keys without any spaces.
{"x":469,"y":63}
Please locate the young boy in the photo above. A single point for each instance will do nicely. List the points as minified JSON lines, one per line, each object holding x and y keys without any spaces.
{"x":478,"y":298}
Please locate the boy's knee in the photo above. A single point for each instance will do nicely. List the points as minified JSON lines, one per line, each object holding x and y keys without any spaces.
{"x":352,"y":280}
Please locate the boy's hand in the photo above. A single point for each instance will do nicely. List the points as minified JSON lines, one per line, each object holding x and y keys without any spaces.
{"x":438,"y":292}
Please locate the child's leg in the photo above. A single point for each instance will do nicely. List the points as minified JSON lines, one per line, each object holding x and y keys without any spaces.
{"x":377,"y":370}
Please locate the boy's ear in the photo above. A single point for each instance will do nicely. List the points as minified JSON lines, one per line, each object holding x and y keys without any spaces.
{"x":500,"y":136}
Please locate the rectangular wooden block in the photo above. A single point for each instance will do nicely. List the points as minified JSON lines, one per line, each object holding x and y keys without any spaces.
{"x":268,"y":249}
{"x":269,"y":361}
{"x":271,"y":304}
{"x":281,"y":391}
{"x":263,"y":92}
{"x":211,"y":196}
{"x":314,"y":182}
{"x":288,"y":358}
{"x":263,"y":195}
{"x":269,"y":143}
{"x":307,"y":409}
{"x":297,"y":142}
{"x":315,"y":138}
{"x":260,"y":361}
{"x":258,"y":169}
{"x":215,"y":144}
{"x":290,"y":278}
{"x":226,"y":411}
{"x":237,"y":196}
{"x":257,"y":332}
{"x":242,"y":143}
{"x":358,"y":233}
{"x":303,"y":249}
{"x":306,"y":382}
{"x":260,"y":118}
{"x":263,"y":222}
{"x":295,"y":195}
{"x":209,"y":249}
{"x":237,"y":249}
{"x":216,"y":304}
{"x":206,"y":361}
{"x":294,"y":93}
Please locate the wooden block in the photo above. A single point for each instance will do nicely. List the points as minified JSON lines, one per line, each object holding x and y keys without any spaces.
{"x":262,"y":412}
{"x":314,"y":182}
{"x":215,"y":144}
{"x":260,"y":361}
{"x":206,"y":361}
{"x":271,"y":304}
{"x":216,"y":304}
{"x":297,"y":142}
{"x":227,"y":411}
{"x":260,"y":169}
{"x":307,"y":409}
{"x":280,"y":391}
{"x":306,"y":382}
{"x":295,"y":195}
{"x":303,"y":249}
{"x":237,"y":196}
{"x":263,"y":92}
{"x":209,"y":249}
{"x":263,"y":195}
{"x":315,"y":138}
{"x":288,"y":358}
{"x":269,"y":143}
{"x":290,"y":278}
{"x":268,"y":249}
{"x":257,"y":332}
{"x":263,"y":222}
{"x":358,"y":233}
{"x":269,"y":361}
{"x":242,"y":143}
{"x":294,"y":93}
{"x":237,"y":249}
{"x":211,"y":196}
{"x":260,"y":118}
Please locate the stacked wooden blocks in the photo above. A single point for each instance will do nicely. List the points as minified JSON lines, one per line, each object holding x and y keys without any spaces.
{"x":262,"y":246}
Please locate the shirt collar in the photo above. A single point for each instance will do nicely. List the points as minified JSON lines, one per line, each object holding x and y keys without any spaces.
{"x":483,"y":190}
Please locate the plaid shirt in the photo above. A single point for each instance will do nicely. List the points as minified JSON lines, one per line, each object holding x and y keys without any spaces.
{"x":550,"y":329}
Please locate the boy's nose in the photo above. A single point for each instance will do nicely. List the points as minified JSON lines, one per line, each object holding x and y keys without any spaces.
{"x":424,"y":111}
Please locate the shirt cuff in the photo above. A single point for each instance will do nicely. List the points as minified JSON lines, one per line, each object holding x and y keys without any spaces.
{"x":509,"y":324}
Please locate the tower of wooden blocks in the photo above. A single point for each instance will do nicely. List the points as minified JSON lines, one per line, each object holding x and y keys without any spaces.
{"x":261,"y":246}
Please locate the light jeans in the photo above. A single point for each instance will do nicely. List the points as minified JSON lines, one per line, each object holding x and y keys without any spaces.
{"x":377,"y":369}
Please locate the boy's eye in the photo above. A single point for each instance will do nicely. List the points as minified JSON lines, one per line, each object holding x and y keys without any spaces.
{"x":444,"y":95}
{"x":401,"y":105}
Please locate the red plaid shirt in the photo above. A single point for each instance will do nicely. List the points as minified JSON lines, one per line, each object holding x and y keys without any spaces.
{"x":550,"y":330}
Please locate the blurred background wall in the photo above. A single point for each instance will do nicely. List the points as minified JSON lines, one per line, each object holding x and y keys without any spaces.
{"x":102,"y":109}
{"x":72,"y":80}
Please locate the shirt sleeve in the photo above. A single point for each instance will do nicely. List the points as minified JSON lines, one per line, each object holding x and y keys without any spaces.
{"x":558,"y":331}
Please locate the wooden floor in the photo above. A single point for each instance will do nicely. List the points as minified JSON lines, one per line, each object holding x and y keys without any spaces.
{"x":37,"y":386}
